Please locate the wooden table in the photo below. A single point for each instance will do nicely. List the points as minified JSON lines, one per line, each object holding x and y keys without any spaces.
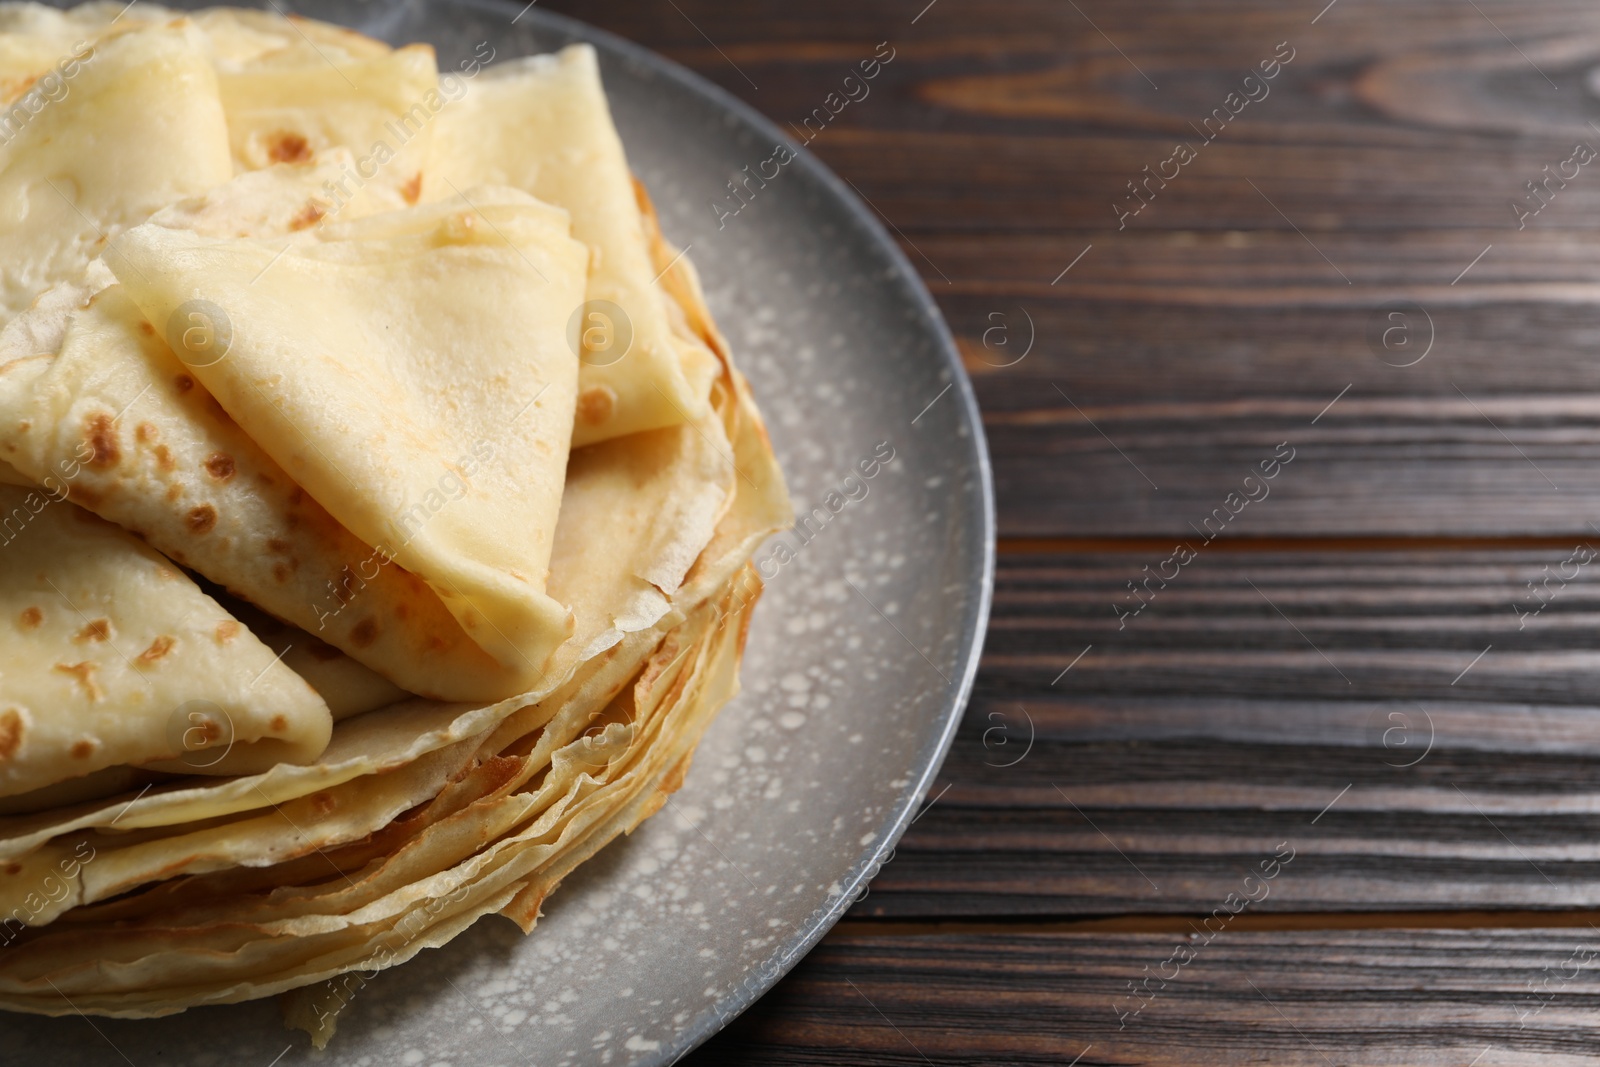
{"x":1324,"y":788}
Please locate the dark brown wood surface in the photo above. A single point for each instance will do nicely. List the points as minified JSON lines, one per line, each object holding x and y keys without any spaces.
{"x":1357,"y":672}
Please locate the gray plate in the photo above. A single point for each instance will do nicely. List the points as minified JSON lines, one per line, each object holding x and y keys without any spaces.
{"x":861,"y":656}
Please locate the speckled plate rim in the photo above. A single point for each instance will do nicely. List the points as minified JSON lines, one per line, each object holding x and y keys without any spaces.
{"x":930,"y":322}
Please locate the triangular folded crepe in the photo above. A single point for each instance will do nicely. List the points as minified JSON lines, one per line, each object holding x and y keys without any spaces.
{"x":542,"y":124}
{"x":176,"y":469}
{"x":149,"y":101}
{"x":417,"y":387}
{"x":111,"y":656}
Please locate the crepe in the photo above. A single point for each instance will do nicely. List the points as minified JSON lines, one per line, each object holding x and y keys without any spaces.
{"x":110,"y":656}
{"x":698,"y":507}
{"x":390,"y":442}
{"x":38,"y":34}
{"x":759,"y":504}
{"x":430,"y":415}
{"x":619,"y":614}
{"x":348,"y":687}
{"x":76,"y":368}
{"x":471,"y":859}
{"x":149,"y":100}
{"x":279,"y":200}
{"x":542,"y":124}
{"x":34,"y":41}
{"x":291,"y":105}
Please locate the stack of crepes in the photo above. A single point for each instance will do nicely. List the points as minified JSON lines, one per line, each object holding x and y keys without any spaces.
{"x":378,"y":507}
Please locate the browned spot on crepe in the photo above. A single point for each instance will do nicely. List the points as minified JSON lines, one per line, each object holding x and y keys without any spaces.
{"x":286,"y":146}
{"x":158,"y":649}
{"x":202,"y":519}
{"x":220,"y":466}
{"x":96,"y":630}
{"x":11,"y":730}
{"x":209,"y":731}
{"x":595,"y":405}
{"x":101,"y":436}
{"x":309,"y":216}
{"x":365,"y":633}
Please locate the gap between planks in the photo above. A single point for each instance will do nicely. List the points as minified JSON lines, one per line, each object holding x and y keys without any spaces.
{"x":1026,"y":546}
{"x":1169,"y":923}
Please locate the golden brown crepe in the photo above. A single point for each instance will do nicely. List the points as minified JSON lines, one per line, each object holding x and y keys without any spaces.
{"x":542,"y":124}
{"x":388,"y":438}
{"x":110,"y":656}
{"x":428,"y":409}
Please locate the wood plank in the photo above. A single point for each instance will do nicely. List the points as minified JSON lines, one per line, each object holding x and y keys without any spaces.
{"x":1224,"y":317}
{"x":1184,"y":749}
{"x":1345,"y":705}
{"x":1126,"y":401}
{"x":1314,"y":998}
{"x":1085,"y":464}
{"x":1027,"y":119}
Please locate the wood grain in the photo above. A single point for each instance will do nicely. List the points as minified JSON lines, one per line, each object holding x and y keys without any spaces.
{"x":1146,"y":394}
{"x":1311,"y":998}
{"x":1342,"y":701}
{"x":1279,"y":690}
{"x":1225,"y":316}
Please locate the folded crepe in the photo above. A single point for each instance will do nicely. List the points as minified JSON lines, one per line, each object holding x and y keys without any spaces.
{"x":633,"y":511}
{"x":430,"y":414}
{"x":110,"y":656}
{"x":478,"y":464}
{"x":542,"y":124}
{"x":639,"y":510}
{"x":294,"y":90}
{"x":719,"y":474}
{"x":188,"y":479}
{"x":147,"y":99}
